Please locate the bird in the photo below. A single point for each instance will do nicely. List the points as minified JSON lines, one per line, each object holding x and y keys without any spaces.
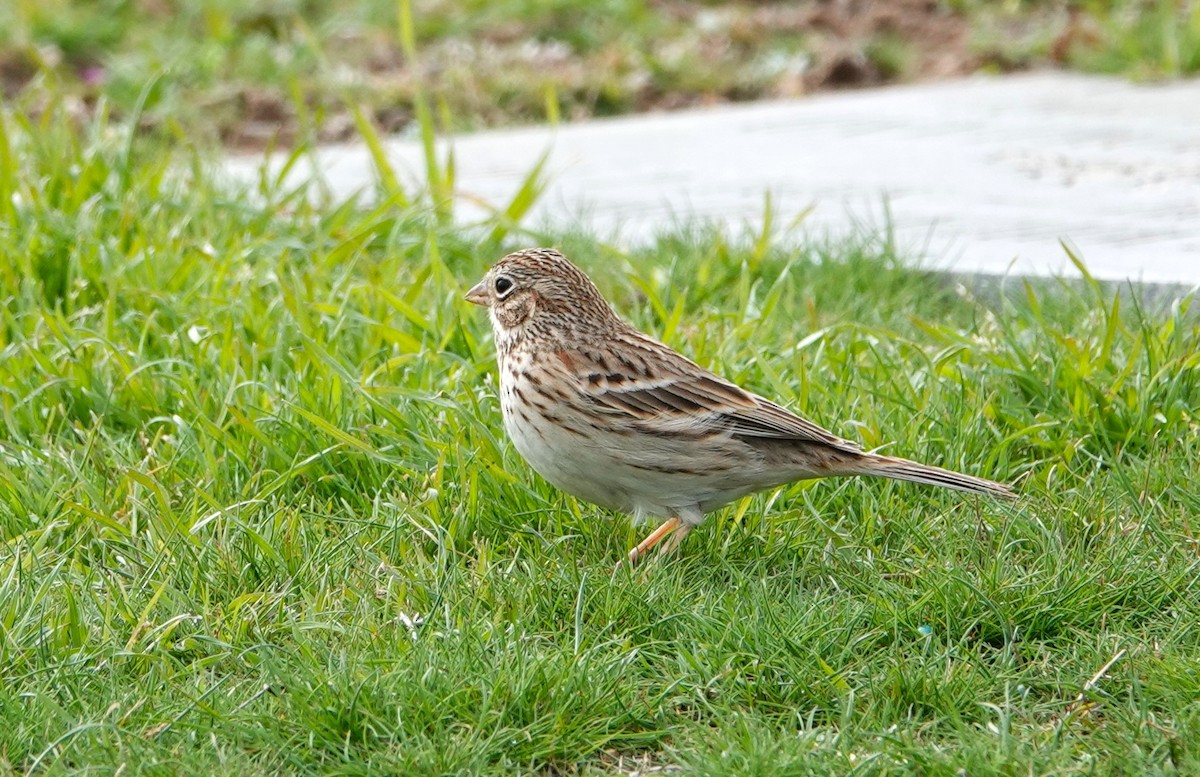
{"x":616,"y":418}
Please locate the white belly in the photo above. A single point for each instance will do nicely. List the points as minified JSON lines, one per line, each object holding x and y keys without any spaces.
{"x":582,"y":466}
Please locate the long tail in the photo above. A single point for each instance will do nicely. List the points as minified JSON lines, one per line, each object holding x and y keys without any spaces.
{"x":903,"y":469}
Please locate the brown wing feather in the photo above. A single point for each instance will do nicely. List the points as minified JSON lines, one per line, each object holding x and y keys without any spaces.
{"x":650,"y":381}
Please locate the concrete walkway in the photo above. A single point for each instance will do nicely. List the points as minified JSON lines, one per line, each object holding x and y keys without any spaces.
{"x":979,"y":175}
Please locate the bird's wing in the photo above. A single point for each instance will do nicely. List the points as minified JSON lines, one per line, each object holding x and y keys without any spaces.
{"x":646,"y":381}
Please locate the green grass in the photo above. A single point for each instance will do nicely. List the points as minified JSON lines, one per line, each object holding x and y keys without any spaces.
{"x":1142,"y":39}
{"x":257,"y":514}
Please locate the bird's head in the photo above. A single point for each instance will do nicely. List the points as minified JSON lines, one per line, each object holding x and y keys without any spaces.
{"x":537,"y":288}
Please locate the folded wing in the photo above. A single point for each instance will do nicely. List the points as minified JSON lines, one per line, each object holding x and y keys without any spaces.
{"x":645,"y":381}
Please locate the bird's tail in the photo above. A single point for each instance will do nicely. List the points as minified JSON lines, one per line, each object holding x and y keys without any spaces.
{"x":903,"y":469}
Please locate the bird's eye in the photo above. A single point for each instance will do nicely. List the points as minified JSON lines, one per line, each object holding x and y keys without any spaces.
{"x":503,"y":286}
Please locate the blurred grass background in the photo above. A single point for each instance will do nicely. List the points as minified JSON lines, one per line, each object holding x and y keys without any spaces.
{"x":247,"y":74}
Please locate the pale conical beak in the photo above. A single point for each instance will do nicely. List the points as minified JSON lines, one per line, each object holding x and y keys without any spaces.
{"x":478,"y":293}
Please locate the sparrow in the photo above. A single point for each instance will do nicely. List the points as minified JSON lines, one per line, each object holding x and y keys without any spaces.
{"x":616,"y":418}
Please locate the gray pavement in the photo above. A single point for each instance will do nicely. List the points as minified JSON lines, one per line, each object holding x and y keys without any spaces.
{"x":983,"y":175}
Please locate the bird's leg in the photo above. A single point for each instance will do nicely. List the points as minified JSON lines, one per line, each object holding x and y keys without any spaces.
{"x":675,"y":539}
{"x":656,"y":536}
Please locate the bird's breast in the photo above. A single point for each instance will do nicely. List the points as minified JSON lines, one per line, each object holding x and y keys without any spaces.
{"x":552,"y":430}
{"x":610,"y":460}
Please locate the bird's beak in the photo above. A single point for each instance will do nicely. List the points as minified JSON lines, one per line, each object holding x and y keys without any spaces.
{"x":478,"y":293}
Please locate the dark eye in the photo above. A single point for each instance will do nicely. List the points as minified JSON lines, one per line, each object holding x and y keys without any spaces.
{"x":503,"y":286}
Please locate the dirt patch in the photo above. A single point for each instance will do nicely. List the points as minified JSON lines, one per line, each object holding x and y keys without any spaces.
{"x":705,"y":55}
{"x":853,"y":43}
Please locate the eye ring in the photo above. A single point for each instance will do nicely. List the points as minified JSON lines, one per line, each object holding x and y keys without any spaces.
{"x":503,"y":285}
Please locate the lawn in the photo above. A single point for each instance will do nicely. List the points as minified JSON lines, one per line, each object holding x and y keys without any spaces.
{"x":258,"y":516}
